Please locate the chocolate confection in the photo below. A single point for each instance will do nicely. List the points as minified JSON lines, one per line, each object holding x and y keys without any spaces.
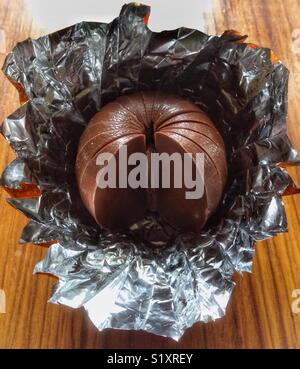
{"x":151,"y":122}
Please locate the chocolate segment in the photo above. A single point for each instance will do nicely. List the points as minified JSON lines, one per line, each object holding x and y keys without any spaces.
{"x":151,"y":122}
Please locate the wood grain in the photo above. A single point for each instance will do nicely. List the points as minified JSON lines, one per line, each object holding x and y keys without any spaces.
{"x":259,"y":314}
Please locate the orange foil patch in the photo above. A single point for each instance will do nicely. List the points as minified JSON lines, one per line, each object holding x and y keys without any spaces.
{"x":26,"y":190}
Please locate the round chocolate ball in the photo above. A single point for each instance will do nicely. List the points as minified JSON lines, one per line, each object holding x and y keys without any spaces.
{"x":147,"y":123}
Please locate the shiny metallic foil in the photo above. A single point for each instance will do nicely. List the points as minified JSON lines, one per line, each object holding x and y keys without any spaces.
{"x":149,"y":278}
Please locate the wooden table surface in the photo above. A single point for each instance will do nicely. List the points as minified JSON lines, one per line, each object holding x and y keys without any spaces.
{"x":263,"y":310}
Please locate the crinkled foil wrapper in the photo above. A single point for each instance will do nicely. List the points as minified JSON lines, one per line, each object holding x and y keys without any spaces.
{"x":138,"y":280}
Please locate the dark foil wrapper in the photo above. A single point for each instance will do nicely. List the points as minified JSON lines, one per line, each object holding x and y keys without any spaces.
{"x":161,"y":284}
